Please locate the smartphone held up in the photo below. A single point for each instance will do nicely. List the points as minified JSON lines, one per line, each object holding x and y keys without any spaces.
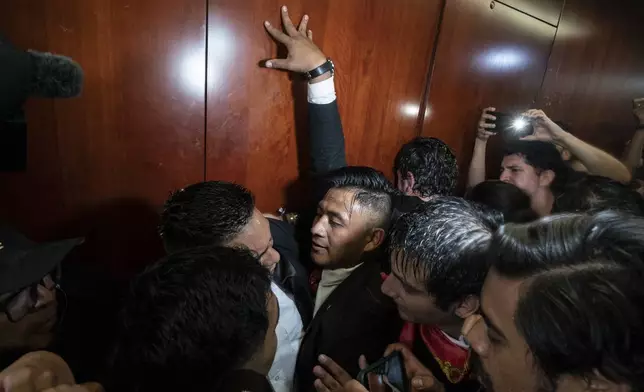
{"x":512,"y":126}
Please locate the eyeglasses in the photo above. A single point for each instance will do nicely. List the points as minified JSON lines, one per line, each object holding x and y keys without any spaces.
{"x":22,"y":302}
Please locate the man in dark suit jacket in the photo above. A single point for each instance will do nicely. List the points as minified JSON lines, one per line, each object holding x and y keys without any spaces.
{"x":224,"y":214}
{"x":352,"y":316}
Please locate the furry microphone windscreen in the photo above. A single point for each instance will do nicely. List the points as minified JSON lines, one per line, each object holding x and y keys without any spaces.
{"x":55,"y":76}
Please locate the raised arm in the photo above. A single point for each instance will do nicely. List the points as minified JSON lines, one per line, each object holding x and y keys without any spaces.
{"x":597,"y":162}
{"x":325,"y":127}
{"x":476,"y":175}
{"x":633,"y":155}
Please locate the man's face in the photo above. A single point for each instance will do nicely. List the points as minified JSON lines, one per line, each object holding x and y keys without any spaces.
{"x":256,"y":236}
{"x":410,"y":295}
{"x":515,"y":171}
{"x":505,"y":359}
{"x":35,"y":330}
{"x":340,"y":230}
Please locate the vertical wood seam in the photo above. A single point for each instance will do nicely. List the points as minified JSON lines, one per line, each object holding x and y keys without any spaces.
{"x":205,"y":96}
{"x":539,"y":94}
{"x":430,"y":72}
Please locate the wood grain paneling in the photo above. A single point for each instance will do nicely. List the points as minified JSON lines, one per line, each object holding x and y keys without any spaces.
{"x":596,"y":69}
{"x":547,"y":10}
{"x":101,"y":165}
{"x":382,"y":51}
{"x":485,"y":57}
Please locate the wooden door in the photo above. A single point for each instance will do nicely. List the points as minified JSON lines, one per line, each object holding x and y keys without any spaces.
{"x":596,"y":70}
{"x":101,"y":165}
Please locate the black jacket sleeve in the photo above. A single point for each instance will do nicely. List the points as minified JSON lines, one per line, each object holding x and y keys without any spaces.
{"x":290,"y":274}
{"x":326,"y":138}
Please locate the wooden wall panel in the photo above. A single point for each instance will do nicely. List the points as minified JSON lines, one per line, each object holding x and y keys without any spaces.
{"x":485,"y":57}
{"x":596,"y":69}
{"x":257,"y":132}
{"x":102,"y":164}
{"x":547,"y":10}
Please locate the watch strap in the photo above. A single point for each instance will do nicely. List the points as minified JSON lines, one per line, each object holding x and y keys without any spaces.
{"x":328,"y":66}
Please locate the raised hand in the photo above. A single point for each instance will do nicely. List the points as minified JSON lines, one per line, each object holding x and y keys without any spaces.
{"x":483,"y":132}
{"x":421,"y":378}
{"x":544,"y":128}
{"x":303,"y":54}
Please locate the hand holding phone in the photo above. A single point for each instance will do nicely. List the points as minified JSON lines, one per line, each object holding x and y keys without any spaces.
{"x":385,"y":375}
{"x":486,"y":125}
{"x":512,"y":126}
{"x":421,"y":379}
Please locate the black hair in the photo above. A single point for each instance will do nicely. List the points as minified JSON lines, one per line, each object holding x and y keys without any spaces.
{"x":542,"y":156}
{"x":189,"y":319}
{"x":585,"y":319}
{"x":433,"y":164}
{"x":443,"y":242}
{"x":512,"y":202}
{"x":595,"y":193}
{"x":524,"y":250}
{"x":205,"y":213}
{"x":372,"y":190}
{"x":582,"y":295}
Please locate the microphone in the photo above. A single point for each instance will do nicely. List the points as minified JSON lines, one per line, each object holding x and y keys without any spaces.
{"x":55,"y":76}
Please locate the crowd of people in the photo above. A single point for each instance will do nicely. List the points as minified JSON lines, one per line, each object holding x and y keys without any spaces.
{"x":530,"y":282}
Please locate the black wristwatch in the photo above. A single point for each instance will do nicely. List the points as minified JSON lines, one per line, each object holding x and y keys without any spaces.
{"x":328,"y":66}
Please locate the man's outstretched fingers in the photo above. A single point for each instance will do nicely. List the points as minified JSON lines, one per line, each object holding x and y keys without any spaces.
{"x":309,"y":34}
{"x":303,"y":29}
{"x":277,"y":63}
{"x":276,"y":33}
{"x":288,"y":23}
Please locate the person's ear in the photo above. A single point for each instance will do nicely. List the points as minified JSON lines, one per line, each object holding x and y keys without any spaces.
{"x":566,"y":155}
{"x":546,"y":178}
{"x":374,"y":239}
{"x":407,"y":182}
{"x":467,"y":307}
